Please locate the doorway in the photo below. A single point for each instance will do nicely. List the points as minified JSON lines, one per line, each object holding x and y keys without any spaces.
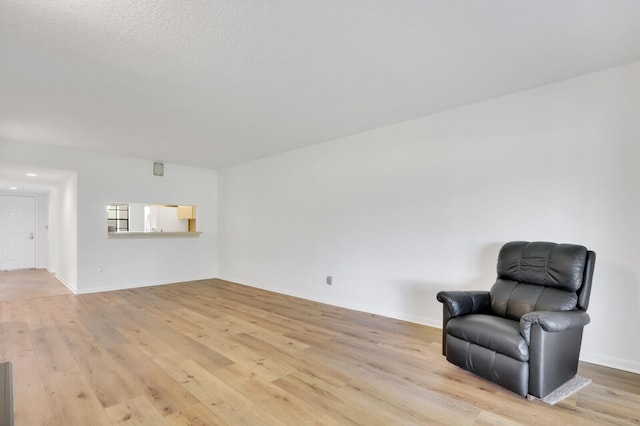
{"x":17,"y":232}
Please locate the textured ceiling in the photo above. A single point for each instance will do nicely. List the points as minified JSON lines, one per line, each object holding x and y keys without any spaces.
{"x":217,"y":83}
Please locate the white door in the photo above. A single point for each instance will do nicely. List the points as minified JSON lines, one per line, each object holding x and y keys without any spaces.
{"x":17,"y":232}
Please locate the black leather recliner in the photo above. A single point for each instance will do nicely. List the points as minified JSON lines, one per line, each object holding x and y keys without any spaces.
{"x":525,"y":333}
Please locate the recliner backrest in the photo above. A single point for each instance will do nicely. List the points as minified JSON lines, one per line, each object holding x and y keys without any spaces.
{"x":538,"y":276}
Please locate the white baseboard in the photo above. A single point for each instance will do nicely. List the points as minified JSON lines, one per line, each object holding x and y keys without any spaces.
{"x":137,"y":285}
{"x":341,"y":304}
{"x":66,"y":284}
{"x":612,"y":362}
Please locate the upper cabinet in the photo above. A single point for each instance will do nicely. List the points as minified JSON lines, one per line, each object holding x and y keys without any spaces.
{"x":186,"y":212}
{"x":189,"y":213}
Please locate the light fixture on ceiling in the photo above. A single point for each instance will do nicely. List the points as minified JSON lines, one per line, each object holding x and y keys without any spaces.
{"x":13,"y":188}
{"x":32,"y":174}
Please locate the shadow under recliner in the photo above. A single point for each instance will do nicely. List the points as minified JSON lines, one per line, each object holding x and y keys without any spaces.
{"x":525,"y":333}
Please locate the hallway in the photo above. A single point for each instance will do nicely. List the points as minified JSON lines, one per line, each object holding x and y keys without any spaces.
{"x":29,"y":284}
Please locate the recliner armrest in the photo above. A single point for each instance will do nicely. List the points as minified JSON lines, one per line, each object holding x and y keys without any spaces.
{"x":552,"y":321}
{"x":465,"y":302}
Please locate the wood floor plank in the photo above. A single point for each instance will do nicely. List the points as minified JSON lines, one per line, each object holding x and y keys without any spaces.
{"x":329,"y":403}
{"x":486,"y":418}
{"x":221,"y":323}
{"x":212,"y":352}
{"x":611,"y":377}
{"x":30,"y":400}
{"x":96,"y":314}
{"x":17,"y":333}
{"x":229,"y":325}
{"x":36,"y":313}
{"x":108,"y":380}
{"x":228,"y":404}
{"x":610,"y":403}
{"x":29,"y":284}
{"x":72,"y":401}
{"x":370,"y":376}
{"x":195,"y":415}
{"x":250,"y":359}
{"x":137,"y":411}
{"x":151,"y":380}
{"x":287,"y":407}
{"x":52,"y":352}
{"x":153,"y":337}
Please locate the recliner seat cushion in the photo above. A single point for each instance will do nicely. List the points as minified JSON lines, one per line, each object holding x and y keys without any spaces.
{"x":501,"y":335}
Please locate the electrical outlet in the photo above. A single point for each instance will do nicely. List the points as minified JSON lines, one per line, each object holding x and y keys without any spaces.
{"x":329,"y":280}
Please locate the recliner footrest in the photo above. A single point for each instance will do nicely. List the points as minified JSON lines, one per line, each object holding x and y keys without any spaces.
{"x":490,"y":365}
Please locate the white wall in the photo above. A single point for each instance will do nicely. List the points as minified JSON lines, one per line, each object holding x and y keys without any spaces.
{"x":66,"y":234}
{"x":83,"y":248}
{"x":399,"y":213}
{"x":42,"y":234}
{"x":51,"y":222}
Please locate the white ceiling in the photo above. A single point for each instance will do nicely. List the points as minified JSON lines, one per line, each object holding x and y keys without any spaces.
{"x":217,"y":83}
{"x":22,"y":179}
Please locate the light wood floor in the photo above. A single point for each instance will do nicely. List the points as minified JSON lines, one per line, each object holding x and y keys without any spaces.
{"x":213,"y":352}
{"x":28,"y":284}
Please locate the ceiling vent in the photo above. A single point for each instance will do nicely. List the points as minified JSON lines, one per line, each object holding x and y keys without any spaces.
{"x":158,"y":169}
